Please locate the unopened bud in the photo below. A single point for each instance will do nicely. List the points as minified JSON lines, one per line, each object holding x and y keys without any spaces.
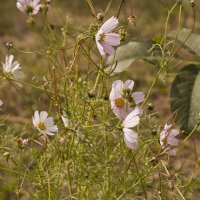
{"x":6,"y":155}
{"x":150,"y":107}
{"x":192,"y":3}
{"x":100,"y":17}
{"x":91,"y":94}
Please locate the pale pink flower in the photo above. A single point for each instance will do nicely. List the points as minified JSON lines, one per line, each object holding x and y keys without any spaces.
{"x":105,"y":39}
{"x":119,"y":104}
{"x":43,"y":123}
{"x":130,"y":136}
{"x":30,"y":7}
{"x":168,"y":139}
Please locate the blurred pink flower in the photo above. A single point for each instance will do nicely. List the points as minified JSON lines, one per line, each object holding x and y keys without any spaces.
{"x":130,"y":136}
{"x":105,"y":40}
{"x":168,"y":140}
{"x":30,"y":7}
{"x":119,"y":104}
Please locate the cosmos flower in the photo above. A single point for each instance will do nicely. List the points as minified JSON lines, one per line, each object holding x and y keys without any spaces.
{"x":119,"y":104}
{"x":30,"y":7}
{"x":12,"y":68}
{"x":168,"y":139}
{"x":105,"y":39}
{"x":43,"y":123}
{"x":130,"y":136}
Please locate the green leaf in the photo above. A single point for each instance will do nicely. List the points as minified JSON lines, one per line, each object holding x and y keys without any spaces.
{"x":192,"y":42}
{"x":185,"y":98}
{"x":126,"y":54}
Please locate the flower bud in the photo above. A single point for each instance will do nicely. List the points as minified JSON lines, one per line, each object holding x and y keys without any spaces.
{"x":6,"y":155}
{"x":91,"y":94}
{"x":150,"y":107}
{"x":100,"y":17}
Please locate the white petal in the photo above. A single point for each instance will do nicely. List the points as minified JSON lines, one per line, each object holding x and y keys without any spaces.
{"x":49,"y":121}
{"x":100,"y":48}
{"x":109,"y":25}
{"x":53,"y":128}
{"x":130,"y":138}
{"x":43,"y":116}
{"x":116,"y":91}
{"x":36,"y":118}
{"x":132,"y":119}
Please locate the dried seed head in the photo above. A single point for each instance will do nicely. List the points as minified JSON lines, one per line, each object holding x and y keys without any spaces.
{"x":192,"y":3}
{"x":91,"y":94}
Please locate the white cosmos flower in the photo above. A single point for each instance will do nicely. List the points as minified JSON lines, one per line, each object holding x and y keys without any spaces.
{"x":130,"y":136}
{"x":12,"y":68}
{"x":105,"y":39}
{"x":119,"y":104}
{"x":168,"y":139}
{"x":30,"y":7}
{"x":43,"y":123}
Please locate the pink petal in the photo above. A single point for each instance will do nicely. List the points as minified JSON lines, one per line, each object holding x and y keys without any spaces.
{"x":122,"y":112}
{"x":129,"y":84}
{"x":109,"y":25}
{"x":138,"y":97}
{"x":112,"y":39}
{"x":107,"y":48}
{"x":130,"y":138}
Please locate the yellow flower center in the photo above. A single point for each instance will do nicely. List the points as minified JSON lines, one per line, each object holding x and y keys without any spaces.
{"x":41,"y":126}
{"x":101,"y":37}
{"x":119,"y":102}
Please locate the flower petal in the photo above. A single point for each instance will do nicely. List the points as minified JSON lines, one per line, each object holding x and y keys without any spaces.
{"x":129,"y":84}
{"x":132,"y":119}
{"x":112,"y":39}
{"x":100,"y":48}
{"x":130,"y":138}
{"x":43,"y":116}
{"x":138,"y":97}
{"x":107,"y":48}
{"x":117,"y":87}
{"x":109,"y":25}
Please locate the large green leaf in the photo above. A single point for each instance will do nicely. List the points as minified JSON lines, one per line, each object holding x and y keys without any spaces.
{"x":126,"y":54}
{"x":191,"y":43}
{"x":185,"y":96}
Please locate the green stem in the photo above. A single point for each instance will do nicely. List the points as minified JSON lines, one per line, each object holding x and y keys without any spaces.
{"x":151,"y":88}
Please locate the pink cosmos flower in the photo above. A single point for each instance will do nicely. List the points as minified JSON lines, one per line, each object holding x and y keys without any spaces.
{"x":105,"y":40}
{"x":130,"y":136}
{"x":30,"y":7}
{"x":119,"y":104}
{"x":168,"y":140}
